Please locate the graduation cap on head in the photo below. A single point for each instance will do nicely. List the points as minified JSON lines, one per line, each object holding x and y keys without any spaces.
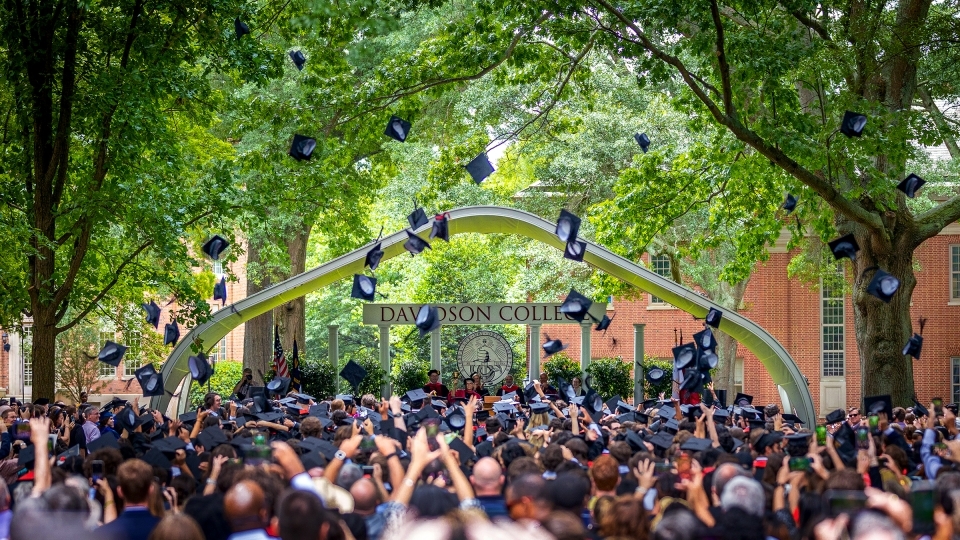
{"x":504,"y":407}
{"x":845,"y":246}
{"x":568,"y":226}
{"x":346,"y":398}
{"x":200,"y":369}
{"x":878,"y":404}
{"x":790,"y":203}
{"x":742,"y":400}
{"x":663,"y":439}
{"x":298,"y":59}
{"x":171,"y":333}
{"x":127,"y":420}
{"x":438,"y":404}
{"x":836,"y":416}
{"x":364,"y":287}
{"x":575,"y":250}
{"x":305,"y":399}
{"x":428,"y":319}
{"x":576,"y":305}
{"x":695,"y":444}
{"x":373,"y":256}
{"x":440,"y":228}
{"x":852,"y":124}
{"x":643,"y":140}
{"x":672,"y":426}
{"x":151,"y":382}
{"x":415,"y":244}
{"x":324,"y":448}
{"x":153,"y":313}
{"x":220,"y":291}
{"x":415,"y":395}
{"x":279,"y":385}
{"x":155,"y":458}
{"x":627,"y":417}
{"x":539,"y":407}
{"x":789,"y":418}
{"x":553,"y":346}
{"x":397,"y":128}
{"x":170,"y":445}
{"x":482,"y":415}
{"x":103,"y":441}
{"x":713,"y":317}
{"x":240,"y":28}
{"x":883,"y":286}
{"x":911,"y":184}
{"x":635,"y":441}
{"x":684,"y":355}
{"x":215,"y":246}
{"x":111,"y":353}
{"x":188,"y":418}
{"x":654,"y":375}
{"x":212,"y":437}
{"x":646,"y":404}
{"x":480,"y":168}
{"x":302,"y":147}
{"x":41,"y":401}
{"x":604,"y":323}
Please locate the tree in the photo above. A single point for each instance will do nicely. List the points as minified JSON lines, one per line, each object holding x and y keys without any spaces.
{"x":78,"y":369}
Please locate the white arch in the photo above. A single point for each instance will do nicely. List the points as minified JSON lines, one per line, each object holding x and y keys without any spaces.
{"x":486,"y":220}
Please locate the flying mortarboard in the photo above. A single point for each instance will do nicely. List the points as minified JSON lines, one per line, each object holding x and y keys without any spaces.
{"x":397,"y":128}
{"x":428,"y":319}
{"x":654,"y":375}
{"x":480,"y":168}
{"x":111,"y":353}
{"x":790,"y":203}
{"x":171,"y":333}
{"x":504,"y":407}
{"x":151,"y":382}
{"x":553,"y":346}
{"x":240,"y":28}
{"x":604,"y":323}
{"x":914,"y":346}
{"x":575,"y":250}
{"x":279,"y":385}
{"x":302,"y":147}
{"x":878,"y":404}
{"x":298,"y":59}
{"x":911,"y":184}
{"x":417,"y":218}
{"x":215,"y":246}
{"x":713,"y":317}
{"x":576,"y":306}
{"x":220,"y":291}
{"x":643,"y":140}
{"x":415,"y":244}
{"x":568,"y":226}
{"x":440,"y":228}
{"x":883,"y":286}
{"x":364,"y":287}
{"x":153,"y":313}
{"x":200,"y":369}
{"x":705,"y":340}
{"x":373,"y":256}
{"x":684,"y":355}
{"x":845,"y":246}
{"x":852,"y":124}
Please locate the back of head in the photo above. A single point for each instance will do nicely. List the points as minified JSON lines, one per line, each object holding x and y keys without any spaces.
{"x":723,"y":474}
{"x":677,"y":524}
{"x":605,"y":473}
{"x":134,"y":479}
{"x":531,"y":486}
{"x":874,"y":525}
{"x":429,"y":501}
{"x":487,"y":476}
{"x":523,"y":465}
{"x":310,"y":427}
{"x":551,"y":456}
{"x":578,"y":448}
{"x":177,"y":527}
{"x":244,"y":507}
{"x":365,"y":496}
{"x":301,"y":515}
{"x":744,"y":493}
{"x":570,"y":491}
{"x":565,"y":526}
{"x":626,"y":517}
{"x":846,"y":479}
{"x":349,"y":473}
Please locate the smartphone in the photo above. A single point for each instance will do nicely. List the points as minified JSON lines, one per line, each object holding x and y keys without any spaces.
{"x":684,"y":462}
{"x":799,"y":464}
{"x":874,"y":421}
{"x":96,"y":470}
{"x":937,"y":406}
{"x":449,"y":437}
{"x":367,"y":443}
{"x":840,"y":501}
{"x":432,"y":426}
{"x":367,"y":470}
{"x":922,"y":502}
{"x":821,"y":435}
{"x":23,"y":430}
{"x":863,"y":438}
{"x":235,"y":461}
{"x":51,"y":443}
{"x":661,"y":468}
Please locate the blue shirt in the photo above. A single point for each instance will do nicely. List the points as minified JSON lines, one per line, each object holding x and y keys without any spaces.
{"x":494,"y":506}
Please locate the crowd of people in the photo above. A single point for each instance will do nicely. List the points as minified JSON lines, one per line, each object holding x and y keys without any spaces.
{"x":542,"y":462}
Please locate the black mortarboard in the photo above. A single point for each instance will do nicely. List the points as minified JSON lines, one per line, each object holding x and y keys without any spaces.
{"x":346,"y":398}
{"x":704,"y":339}
{"x":171,"y":333}
{"x":627,"y":417}
{"x":604,"y":323}
{"x":538,"y":408}
{"x":722,"y":414}
{"x":466,"y":454}
{"x":302,"y":147}
{"x":643,"y":140}
{"x":415,"y":244}
{"x":438,"y":404}
{"x":684,"y":355}
{"x":428,"y":319}
{"x":155,"y":458}
{"x":713,"y":317}
{"x":240,"y":28}
{"x":41,"y":401}
{"x":693,"y":380}
{"x":852,"y":124}
{"x":271,"y":416}
{"x":878,"y":404}
{"x":417,"y":218}
{"x":28,"y":455}
{"x":845,"y":246}
{"x":635,"y":441}
{"x":575,"y":250}
{"x":298,"y":59}
{"x":440,"y":228}
{"x":112,"y":353}
{"x":151,"y":382}
{"x":397,"y":128}
{"x":646,"y":404}
{"x":568,"y":226}
{"x":212,"y":437}
{"x":200,"y":369}
{"x":364,"y":287}
{"x":456,"y":418}
{"x":215,"y":246}
{"x":426,"y":412}
{"x":662,"y":439}
{"x":695,"y":444}
{"x":913,"y":346}
{"x":911,"y":184}
{"x":73,"y":451}
{"x":576,"y":305}
{"x":482,"y":415}
{"x":189,"y":417}
{"x":373,"y":256}
{"x":504,"y":407}
{"x":126,"y":420}
{"x":654,"y":375}
{"x":320,"y":409}
{"x":279,"y":385}
{"x":220,"y":291}
{"x":480,"y":168}
{"x":836,"y":416}
{"x":708,"y":360}
{"x":153,"y":313}
{"x":919,"y":409}
{"x":305,"y":399}
{"x":553,"y":346}
{"x":417,"y":394}
{"x":104,"y":441}
{"x":790,"y":203}
{"x":791,"y":418}
{"x":324,"y":448}
{"x":170,"y":444}
{"x":883,"y":286}
{"x":742,"y":400}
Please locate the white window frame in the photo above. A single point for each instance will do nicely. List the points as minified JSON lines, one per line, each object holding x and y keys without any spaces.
{"x":133,"y":359}
{"x":218,"y":269}
{"x":655,"y":260}
{"x":219,"y":351}
{"x":107,"y":332}
{"x":26,"y":353}
{"x":738,"y":375}
{"x":840,"y":328}
{"x":955,"y":378}
{"x":955,"y":274}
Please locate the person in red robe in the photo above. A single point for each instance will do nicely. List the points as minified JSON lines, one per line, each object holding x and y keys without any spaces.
{"x":509,"y":386}
{"x":435,"y":387}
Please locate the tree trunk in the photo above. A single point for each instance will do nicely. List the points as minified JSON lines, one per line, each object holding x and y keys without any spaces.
{"x":725,"y":377}
{"x":291,"y":316}
{"x":257,"y":332}
{"x":882,"y":329}
{"x":44,"y":355}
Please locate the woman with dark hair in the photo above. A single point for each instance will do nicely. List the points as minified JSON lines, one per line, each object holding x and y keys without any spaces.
{"x":107,"y":425}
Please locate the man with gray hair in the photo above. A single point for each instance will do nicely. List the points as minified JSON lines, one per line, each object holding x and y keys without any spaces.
{"x":745,"y":494}
{"x":721,"y":475}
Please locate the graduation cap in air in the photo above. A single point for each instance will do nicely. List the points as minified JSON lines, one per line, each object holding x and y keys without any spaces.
{"x":790,"y":203}
{"x":553,"y":346}
{"x":397,"y":128}
{"x":279,"y":385}
{"x":836,"y":416}
{"x":417,"y":218}
{"x":576,"y":305}
{"x":480,"y":168}
{"x":215,"y":246}
{"x":151,"y":382}
{"x":240,"y":28}
{"x":568,"y":226}
{"x":693,"y":380}
{"x":574,"y":250}
{"x":200,"y":369}
{"x":302,"y":147}
{"x":919,"y":409}
{"x":874,"y":405}
{"x":126,"y":420}
{"x":364,"y":287}
{"x":428,"y":319}
{"x":456,"y":419}
{"x":373,"y":256}
{"x":852,"y":124}
{"x":529,"y":392}
{"x":705,"y":340}
{"x":684,"y":355}
{"x":604,"y":323}
{"x":593,"y":402}
{"x":440,"y":228}
{"x":111,"y":353}
{"x":913,"y":346}
{"x":415,"y":244}
{"x":220,"y":291}
{"x":643,"y":140}
{"x":171,"y":333}
{"x":845,"y":246}
{"x":911,"y":184}
{"x":654,"y":375}
{"x":883,"y":286}
{"x":153,"y":313}
{"x":353,"y":373}
{"x":298,"y":59}
{"x":713,"y":317}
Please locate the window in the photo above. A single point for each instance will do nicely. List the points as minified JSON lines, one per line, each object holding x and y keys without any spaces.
{"x":832,"y":331}
{"x":955,"y":364}
{"x":107,"y":333}
{"x":27,"y":354}
{"x":132,"y":360}
{"x":660,"y":264}
{"x":219,"y":351}
{"x":955,"y":273}
{"x":218,"y":269}
{"x":738,"y":376}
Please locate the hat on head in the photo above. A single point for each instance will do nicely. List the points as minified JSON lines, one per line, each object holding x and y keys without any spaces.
{"x":836,"y":416}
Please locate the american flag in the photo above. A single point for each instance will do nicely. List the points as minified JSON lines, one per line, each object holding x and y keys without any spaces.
{"x":295,"y":373}
{"x":279,"y":360}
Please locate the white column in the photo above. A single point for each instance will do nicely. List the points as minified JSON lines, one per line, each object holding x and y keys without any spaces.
{"x":333,"y":349}
{"x":585,"y":346}
{"x":533,"y":354}
{"x":637,"y":363}
{"x":385,"y":359}
{"x":435,"y":349}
